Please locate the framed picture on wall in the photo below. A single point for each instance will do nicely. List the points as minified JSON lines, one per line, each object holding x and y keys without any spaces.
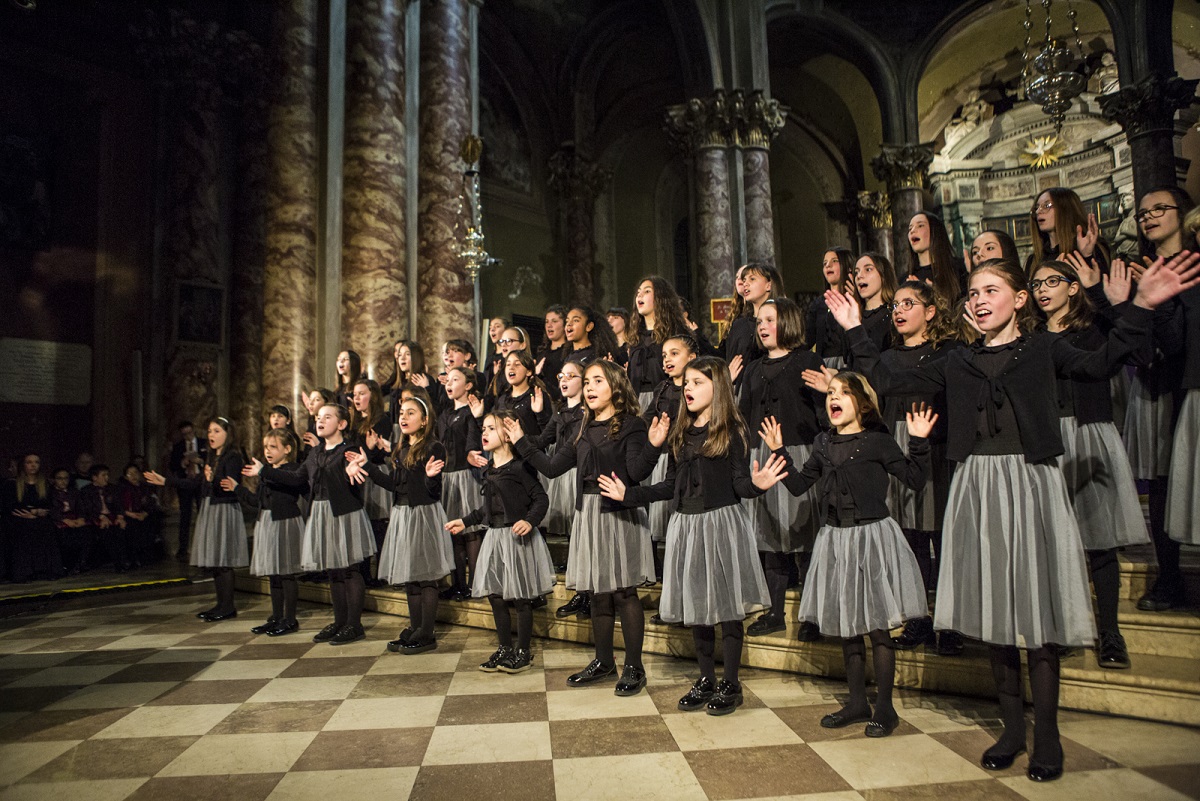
{"x":199,"y":313}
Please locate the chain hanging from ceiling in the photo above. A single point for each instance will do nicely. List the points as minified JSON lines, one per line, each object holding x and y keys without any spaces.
{"x":1058,"y":81}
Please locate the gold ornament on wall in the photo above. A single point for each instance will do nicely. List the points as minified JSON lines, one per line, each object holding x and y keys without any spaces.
{"x":1042,"y":151}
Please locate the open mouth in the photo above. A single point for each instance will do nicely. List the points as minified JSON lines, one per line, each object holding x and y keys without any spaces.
{"x":1044,"y":300}
{"x":982,"y":314}
{"x":899,"y":321}
{"x":835,"y":410}
{"x":862,"y":287}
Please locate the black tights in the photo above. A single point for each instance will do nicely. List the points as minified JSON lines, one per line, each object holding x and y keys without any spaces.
{"x":1166,"y":550}
{"x":524,"y":608}
{"x":605,"y":607}
{"x":422,"y":607}
{"x":854,"y":654}
{"x":777,"y":567}
{"x":705,"y":638}
{"x":466,"y":553}
{"x":1043,"y":686}
{"x":223,"y":582}
{"x":284,"y":592}
{"x":919,"y":542}
{"x":1106,"y":579}
{"x":348,"y":592}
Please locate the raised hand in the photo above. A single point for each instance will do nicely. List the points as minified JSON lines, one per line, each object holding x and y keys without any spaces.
{"x":357,"y":458}
{"x":208,"y":472}
{"x":1088,"y":270}
{"x":537,"y":368}
{"x":419,"y":379}
{"x":658,"y":430}
{"x":1118,"y":283}
{"x":434,"y":466}
{"x":818,"y":379}
{"x":771,"y":473}
{"x":372,"y":440}
{"x":476,"y":405}
{"x":253,"y":469}
{"x":1085,"y":241}
{"x":611,"y":487}
{"x":537,"y":402}
{"x":735,"y":367}
{"x":844,"y":308}
{"x":310,"y":439}
{"x":969,"y":316}
{"x":771,"y":433}
{"x":1161,"y":282}
{"x":157,"y":479}
{"x":455,"y":526}
{"x":229,"y":484}
{"x":355,"y":473}
{"x":522,"y":528}
{"x":920,"y":420}
{"x":513,"y":429}
{"x":476,"y":459}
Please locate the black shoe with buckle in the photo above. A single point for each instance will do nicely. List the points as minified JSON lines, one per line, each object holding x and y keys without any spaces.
{"x":326,"y":634}
{"x":881,"y":728}
{"x":265,"y":627}
{"x":492,"y":665}
{"x":702,"y":690}
{"x":217,"y":617}
{"x":347,"y":634}
{"x":284,"y":627}
{"x":395,"y":645}
{"x":950,"y":643}
{"x":916,"y":633}
{"x":572,"y":606}
{"x":591,"y":674}
{"x":1112,"y":653}
{"x":632,"y":681}
{"x":518,"y":661}
{"x":808,"y":632}
{"x":766,"y":624}
{"x":728,"y":697}
{"x":997,"y":759}
{"x":843,"y":718}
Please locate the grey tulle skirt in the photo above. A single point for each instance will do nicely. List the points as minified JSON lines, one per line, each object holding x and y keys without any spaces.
{"x":835,"y":362}
{"x":460,"y":494}
{"x":513,"y":567}
{"x":561,"y":490}
{"x":220,"y":538}
{"x":609,"y":550}
{"x":659,"y":511}
{"x":1147,"y":431}
{"x":1183,"y":489}
{"x":644,"y":399}
{"x":783,"y":522}
{"x":1013,"y":570}
{"x":1100,"y":483}
{"x":711,"y":572}
{"x":417,"y":546}
{"x":335,"y":541}
{"x":276,"y":545}
{"x":377,"y":501}
{"x":912,"y":509}
{"x":862,"y":578}
{"x":1118,"y":390}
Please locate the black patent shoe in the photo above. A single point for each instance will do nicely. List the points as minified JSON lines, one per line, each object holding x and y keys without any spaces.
{"x":881,"y":728}
{"x":417,"y":645}
{"x":727,"y":698}
{"x":808,"y":632}
{"x":841,"y":719}
{"x":518,"y":661}
{"x":492,"y":665}
{"x":632,"y":681}
{"x":326,"y":634}
{"x":284,"y":627}
{"x":950,"y":643}
{"x":766,"y":624}
{"x":594,"y":672}
{"x":395,"y":645}
{"x":1160,"y":600}
{"x":656,"y":620}
{"x":265,"y":628}
{"x":994,"y":759}
{"x":448,"y":593}
{"x":539,"y":602}
{"x":1112,"y":653}
{"x":917,"y":633}
{"x":206,"y":613}
{"x":1043,"y":772}
{"x":347,"y":634}
{"x":217,"y":617}
{"x":572,"y":606}
{"x":700,"y":694}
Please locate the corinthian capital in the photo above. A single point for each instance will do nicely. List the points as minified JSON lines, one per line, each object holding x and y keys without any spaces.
{"x":903,"y":166}
{"x":574,"y":176}
{"x":1150,"y":104}
{"x":702,"y":123}
{"x":874,"y":209}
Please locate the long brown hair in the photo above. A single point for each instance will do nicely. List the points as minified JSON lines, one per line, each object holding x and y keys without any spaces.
{"x":947,"y":268}
{"x":361,"y":423}
{"x":1068,"y":215}
{"x":1079,"y":306}
{"x":526,"y":360}
{"x":942,"y":327}
{"x":624,"y":399}
{"x":887,"y":277}
{"x":668,"y":313}
{"x":865,"y":398}
{"x":601,"y":338}
{"x":767,"y":271}
{"x":419,"y":444}
{"x":725,"y":423}
{"x":355,"y":373}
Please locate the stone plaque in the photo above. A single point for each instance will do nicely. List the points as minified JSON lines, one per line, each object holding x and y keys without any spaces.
{"x":44,"y":372}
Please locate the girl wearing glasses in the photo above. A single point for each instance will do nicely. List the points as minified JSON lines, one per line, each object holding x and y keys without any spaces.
{"x":1061,"y":226}
{"x":514,"y":338}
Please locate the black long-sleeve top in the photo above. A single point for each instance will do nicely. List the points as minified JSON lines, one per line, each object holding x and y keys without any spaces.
{"x":1022,"y":382}
{"x":228,"y":464}
{"x":1180,"y":336}
{"x":511,"y":492}
{"x":458,"y":430}
{"x":281,"y":500}
{"x":1086,"y":401}
{"x":563,"y":425}
{"x":878,"y":323}
{"x":823,"y":333}
{"x":904,"y":357}
{"x":645,"y":363}
{"x":410,"y":486}
{"x":596,"y":453}
{"x":696,"y":483}
{"x":382,"y":428}
{"x":742,"y":340}
{"x":522,"y":406}
{"x":853,"y":471}
{"x":552,"y":362}
{"x":94,"y":502}
{"x":665,"y":400}
{"x":325,"y":472}
{"x":64,"y":505}
{"x":775,"y":387}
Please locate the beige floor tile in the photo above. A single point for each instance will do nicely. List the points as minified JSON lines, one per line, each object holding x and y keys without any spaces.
{"x":790,"y":690}
{"x":475,"y":683}
{"x":168,"y":721}
{"x":97,"y":790}
{"x":38,"y":660}
{"x":896,"y":761}
{"x":207,"y":653}
{"x":495,"y":742}
{"x":596,"y":702}
{"x":107,"y":696}
{"x":326,"y":784}
{"x":147,"y":641}
{"x":562,"y":658}
{"x":20,"y":759}
{"x":1135,"y":743}
{"x":386,"y":713}
{"x":117,"y":630}
{"x":219,"y":754}
{"x":243,"y":669}
{"x":840,"y":795}
{"x":366,"y":647}
{"x":433,"y":662}
{"x":16,"y":646}
{"x":320,"y":688}
{"x":1119,"y":783}
{"x":657,"y":776}
{"x":743,"y":729}
{"x":931,"y":720}
{"x":78,"y":675}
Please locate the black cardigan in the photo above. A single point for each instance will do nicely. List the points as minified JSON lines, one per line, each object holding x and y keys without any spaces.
{"x":1025,"y":382}
{"x":409,"y":485}
{"x":645,"y":363}
{"x":666,"y":399}
{"x":330,"y":474}
{"x":458,"y":430}
{"x":281,"y":500}
{"x":228,"y":465}
{"x":904,"y":357}
{"x":516,"y":489}
{"x":522,"y":406}
{"x":696,"y":483}
{"x":1086,"y":401}
{"x":595,"y":453}
{"x":787,"y":398}
{"x":856,"y":490}
{"x":823,"y":333}
{"x":1180,"y":336}
{"x":878,"y":323}
{"x":563,"y":425}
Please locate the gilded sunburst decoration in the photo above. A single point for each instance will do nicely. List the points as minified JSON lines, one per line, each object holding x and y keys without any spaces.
{"x":1042,"y":151}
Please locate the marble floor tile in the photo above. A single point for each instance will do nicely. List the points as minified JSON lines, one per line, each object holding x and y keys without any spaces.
{"x":610,"y":737}
{"x":277,"y":716}
{"x":101,"y":696}
{"x":376,"y":783}
{"x":768,"y":771}
{"x":288,"y":649}
{"x":393,"y":686}
{"x":328,"y":666}
{"x":789,"y":690}
{"x":233,"y":691}
{"x":460,"y":710}
{"x":896,"y":761}
{"x":168,"y":721}
{"x":1121,"y":783}
{"x":619,"y":778}
{"x":386,"y":713}
{"x":126,"y":758}
{"x":397,"y":664}
{"x":322,"y":688}
{"x":94,"y":790}
{"x":493,"y":742}
{"x":984,"y":790}
{"x":597,"y":702}
{"x":77,"y":675}
{"x":501,"y":781}
{"x":143,"y":640}
{"x":475,"y":682}
{"x":18,"y":760}
{"x":243,"y":669}
{"x":67,"y":724}
{"x":1135,"y":743}
{"x":745,"y":728}
{"x":220,"y":754}
{"x":806,"y":722}
{"x":366,"y":748}
{"x":244,"y":787}
{"x":34,"y":660}
{"x":210,"y":654}
{"x":1180,"y":778}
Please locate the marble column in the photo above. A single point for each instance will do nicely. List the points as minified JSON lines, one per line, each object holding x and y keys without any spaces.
{"x":761,"y":121}
{"x":1146,"y":110}
{"x":374,"y":294}
{"x":578,"y":182}
{"x":875,"y":221}
{"x":905,"y":170}
{"x":444,"y":289}
{"x":289,"y":272}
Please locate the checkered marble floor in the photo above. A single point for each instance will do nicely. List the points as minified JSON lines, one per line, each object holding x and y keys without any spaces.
{"x":142,"y":701}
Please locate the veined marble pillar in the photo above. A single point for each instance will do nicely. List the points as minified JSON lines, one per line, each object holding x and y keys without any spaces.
{"x":763,"y":119}
{"x":875,"y":221}
{"x":905,"y":170}
{"x":445,"y":291}
{"x":1146,"y":110}
{"x":289,"y":274}
{"x":374,"y":294}
{"x":579,"y":182}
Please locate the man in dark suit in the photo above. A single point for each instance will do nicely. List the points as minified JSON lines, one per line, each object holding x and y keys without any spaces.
{"x":187,"y":461}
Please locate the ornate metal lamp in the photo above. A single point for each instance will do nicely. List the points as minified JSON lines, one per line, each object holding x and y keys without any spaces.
{"x":1057,"y":83}
{"x":475,"y":257}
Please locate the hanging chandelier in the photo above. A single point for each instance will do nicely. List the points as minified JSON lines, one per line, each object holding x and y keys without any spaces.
{"x":1058,"y":82}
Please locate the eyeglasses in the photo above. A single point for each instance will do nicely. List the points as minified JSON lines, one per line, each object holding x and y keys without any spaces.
{"x":567,"y":376}
{"x":1044,"y":206}
{"x":508,"y":342}
{"x":1152,"y":213}
{"x":1050,"y":282}
{"x":906,"y":304}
